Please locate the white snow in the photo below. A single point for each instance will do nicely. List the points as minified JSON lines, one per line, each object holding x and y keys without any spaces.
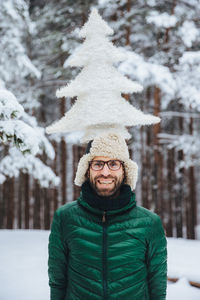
{"x":29,"y":140}
{"x":187,"y":80}
{"x":23,"y":266}
{"x":190,"y":58}
{"x":189,"y":144}
{"x":16,"y":131}
{"x":24,"y":60}
{"x":161,"y":20}
{"x":189,"y":33}
{"x":147,"y":73}
{"x":9,"y":106}
{"x":182,"y":290}
{"x":15,"y":64}
{"x":183,"y":259}
{"x":2,"y":178}
{"x":15,"y":161}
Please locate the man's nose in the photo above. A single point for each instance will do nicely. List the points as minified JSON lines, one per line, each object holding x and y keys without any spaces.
{"x":105,"y":171}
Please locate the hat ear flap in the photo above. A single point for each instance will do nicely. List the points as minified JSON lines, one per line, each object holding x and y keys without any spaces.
{"x":83,"y":166}
{"x":131,"y":169}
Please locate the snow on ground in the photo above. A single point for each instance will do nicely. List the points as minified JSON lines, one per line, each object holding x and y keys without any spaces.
{"x":182,"y":290}
{"x":23,"y":266}
{"x":183,"y":259}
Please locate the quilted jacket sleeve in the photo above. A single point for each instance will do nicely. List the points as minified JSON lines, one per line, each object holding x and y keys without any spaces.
{"x":157,"y":262}
{"x":57,"y":261}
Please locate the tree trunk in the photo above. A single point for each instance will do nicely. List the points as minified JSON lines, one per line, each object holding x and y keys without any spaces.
{"x":2,"y":207}
{"x":170,"y":185}
{"x":9,"y":196}
{"x":63,"y":171}
{"x":63,"y":158}
{"x":26,"y":198}
{"x":191,"y":216}
{"x":127,"y":42}
{"x":20,"y":200}
{"x":146,"y":161}
{"x":45,"y":194}
{"x":143,"y":170}
{"x":128,"y":29}
{"x":70,"y":173}
{"x":37,"y":207}
{"x":191,"y":206}
{"x":179,"y":199}
{"x":158,"y":162}
{"x":149,"y":151}
{"x":55,"y":190}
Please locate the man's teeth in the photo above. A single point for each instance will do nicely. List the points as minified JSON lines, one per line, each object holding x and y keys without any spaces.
{"x":105,"y":182}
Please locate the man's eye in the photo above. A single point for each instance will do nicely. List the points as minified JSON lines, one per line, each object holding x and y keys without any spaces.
{"x":113,"y":163}
{"x":97,"y":164}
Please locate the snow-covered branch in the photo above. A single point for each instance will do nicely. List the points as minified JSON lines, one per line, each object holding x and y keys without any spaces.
{"x":190,"y":146}
{"x":15,"y":161}
{"x":15,"y":131}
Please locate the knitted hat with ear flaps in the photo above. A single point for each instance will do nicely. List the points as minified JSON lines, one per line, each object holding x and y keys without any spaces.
{"x":111,"y":145}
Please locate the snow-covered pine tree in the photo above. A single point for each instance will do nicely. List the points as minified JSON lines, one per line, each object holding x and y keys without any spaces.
{"x":17,"y":74}
{"x":12,"y":130}
{"x":28,"y":141}
{"x":98,"y":87}
{"x":56,"y":24}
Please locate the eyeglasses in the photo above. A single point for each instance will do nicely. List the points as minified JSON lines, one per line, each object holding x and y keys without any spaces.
{"x":113,"y":165}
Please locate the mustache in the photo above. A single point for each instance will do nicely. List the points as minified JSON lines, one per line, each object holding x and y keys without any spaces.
{"x":105,"y":177}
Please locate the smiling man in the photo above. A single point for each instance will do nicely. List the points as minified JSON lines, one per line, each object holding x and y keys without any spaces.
{"x":104,"y":246}
{"x":105,"y":175}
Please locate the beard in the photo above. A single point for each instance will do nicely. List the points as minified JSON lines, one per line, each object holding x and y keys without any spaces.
{"x":109,"y":189}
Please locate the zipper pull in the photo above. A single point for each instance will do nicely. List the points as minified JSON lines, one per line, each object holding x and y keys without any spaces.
{"x":104,"y":216}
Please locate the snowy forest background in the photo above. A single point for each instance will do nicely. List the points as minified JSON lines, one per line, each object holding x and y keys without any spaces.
{"x":161,"y":40}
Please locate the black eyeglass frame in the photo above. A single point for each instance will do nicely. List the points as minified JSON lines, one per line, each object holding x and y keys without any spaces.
{"x":107,"y":163}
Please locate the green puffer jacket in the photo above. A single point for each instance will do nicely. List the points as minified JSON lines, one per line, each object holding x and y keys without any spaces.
{"x":121,"y":256}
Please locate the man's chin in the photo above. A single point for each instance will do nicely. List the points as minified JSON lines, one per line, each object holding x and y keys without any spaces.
{"x":104,"y":193}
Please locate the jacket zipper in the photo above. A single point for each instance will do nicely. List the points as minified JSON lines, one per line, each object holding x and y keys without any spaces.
{"x":105,"y":287}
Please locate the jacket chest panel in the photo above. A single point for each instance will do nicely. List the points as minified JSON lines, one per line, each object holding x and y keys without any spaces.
{"x":85,"y":243}
{"x":126,"y":252}
{"x":124,"y":245}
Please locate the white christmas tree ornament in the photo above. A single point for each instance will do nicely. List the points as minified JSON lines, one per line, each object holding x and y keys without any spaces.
{"x":98,"y":87}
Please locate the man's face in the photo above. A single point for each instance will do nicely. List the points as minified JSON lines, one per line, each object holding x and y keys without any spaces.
{"x":105,"y":182}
